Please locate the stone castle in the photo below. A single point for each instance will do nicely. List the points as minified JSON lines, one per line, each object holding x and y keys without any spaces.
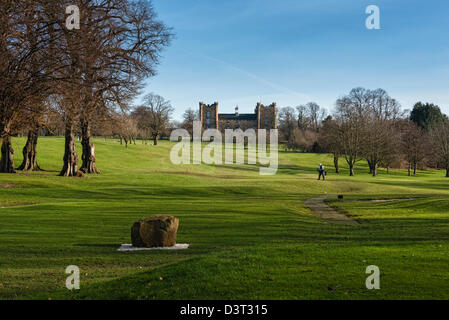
{"x":264,"y":117}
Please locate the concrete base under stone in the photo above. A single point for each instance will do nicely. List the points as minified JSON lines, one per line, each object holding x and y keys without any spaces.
{"x":129,"y":247}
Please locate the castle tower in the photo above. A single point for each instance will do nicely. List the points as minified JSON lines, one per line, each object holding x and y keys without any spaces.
{"x":266,"y":116}
{"x":209,"y":116}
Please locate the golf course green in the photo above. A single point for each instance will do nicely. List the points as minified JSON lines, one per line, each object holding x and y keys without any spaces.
{"x":250,"y":236}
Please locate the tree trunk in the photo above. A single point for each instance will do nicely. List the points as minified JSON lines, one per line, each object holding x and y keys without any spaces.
{"x":374,"y":169}
{"x":409,"y":169}
{"x":7,"y":160}
{"x":88,"y":156}
{"x":30,"y":153}
{"x":337,"y":170}
{"x":370,"y":165}
{"x":447,"y":170}
{"x":155,"y":140}
{"x":351,"y":169}
{"x":414,"y":168}
{"x":70,"y":168}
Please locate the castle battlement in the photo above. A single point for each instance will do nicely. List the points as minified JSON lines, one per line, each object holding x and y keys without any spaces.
{"x":264,"y":117}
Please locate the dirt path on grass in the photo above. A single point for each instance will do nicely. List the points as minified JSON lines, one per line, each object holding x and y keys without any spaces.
{"x":323,"y":211}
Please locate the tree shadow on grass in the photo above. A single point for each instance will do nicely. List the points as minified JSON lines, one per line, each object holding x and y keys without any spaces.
{"x":255,"y":168}
{"x":442,"y":185}
{"x":98,"y":245}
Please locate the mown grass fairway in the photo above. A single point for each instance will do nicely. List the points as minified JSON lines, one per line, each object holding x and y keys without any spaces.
{"x":251,"y":236}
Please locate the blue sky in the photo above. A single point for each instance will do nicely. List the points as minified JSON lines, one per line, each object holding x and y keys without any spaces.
{"x":239,"y":52}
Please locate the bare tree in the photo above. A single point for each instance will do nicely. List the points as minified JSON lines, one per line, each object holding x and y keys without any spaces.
{"x":125,"y":58}
{"x":127,"y":128}
{"x":439,"y":137}
{"x":329,"y":140}
{"x":154,"y":115}
{"x":287,"y":123}
{"x":380,"y":136}
{"x":350,"y":120}
{"x":25,"y":62}
{"x":304,"y":140}
{"x":303,"y":119}
{"x":53,"y":121}
{"x":365,"y":122}
{"x":117,"y":46}
{"x":189,"y":117}
{"x":142,"y":118}
{"x":413,"y":144}
{"x":316,"y":115}
{"x":35,"y":120}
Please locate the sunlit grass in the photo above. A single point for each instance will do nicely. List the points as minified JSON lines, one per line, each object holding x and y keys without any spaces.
{"x":250,"y":235}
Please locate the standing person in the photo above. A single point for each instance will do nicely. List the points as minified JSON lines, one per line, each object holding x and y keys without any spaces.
{"x":321,"y":172}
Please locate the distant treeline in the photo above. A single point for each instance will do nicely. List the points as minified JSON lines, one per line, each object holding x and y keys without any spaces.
{"x":369,"y":125}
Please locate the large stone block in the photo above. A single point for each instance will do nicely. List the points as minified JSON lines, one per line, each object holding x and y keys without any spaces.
{"x":155,"y":231}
